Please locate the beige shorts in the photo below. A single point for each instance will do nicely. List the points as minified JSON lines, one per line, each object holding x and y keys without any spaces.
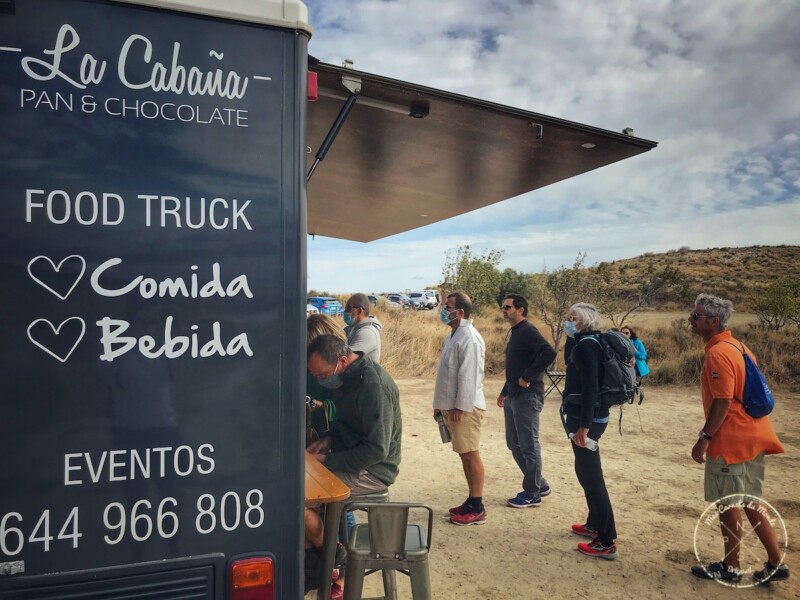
{"x":466,"y":434}
{"x":743,"y":479}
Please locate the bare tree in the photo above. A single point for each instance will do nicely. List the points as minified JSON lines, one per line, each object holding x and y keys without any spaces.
{"x":618,"y":297}
{"x":556,"y":291}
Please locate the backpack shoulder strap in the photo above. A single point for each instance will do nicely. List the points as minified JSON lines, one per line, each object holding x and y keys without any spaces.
{"x":591,"y":337}
{"x":745,"y":365}
{"x":734,"y":345}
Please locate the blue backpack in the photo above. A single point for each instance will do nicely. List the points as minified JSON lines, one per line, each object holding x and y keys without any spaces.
{"x":758,"y":400}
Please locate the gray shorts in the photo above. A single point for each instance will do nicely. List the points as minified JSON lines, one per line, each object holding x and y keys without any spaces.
{"x":744,"y":479}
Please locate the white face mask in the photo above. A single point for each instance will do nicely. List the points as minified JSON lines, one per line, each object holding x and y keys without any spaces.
{"x":331,"y":382}
{"x":570,"y":328}
{"x":444,"y":315}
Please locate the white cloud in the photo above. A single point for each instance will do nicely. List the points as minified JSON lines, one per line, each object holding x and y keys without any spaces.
{"x":715,"y":83}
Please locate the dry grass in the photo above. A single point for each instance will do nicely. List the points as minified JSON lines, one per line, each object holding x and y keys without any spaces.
{"x":412,"y":341}
{"x":732,"y":273}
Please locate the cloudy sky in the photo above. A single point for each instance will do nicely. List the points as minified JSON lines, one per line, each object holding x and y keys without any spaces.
{"x":715,"y":82}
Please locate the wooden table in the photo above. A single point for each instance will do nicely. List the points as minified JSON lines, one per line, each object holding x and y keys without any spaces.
{"x":323,"y":487}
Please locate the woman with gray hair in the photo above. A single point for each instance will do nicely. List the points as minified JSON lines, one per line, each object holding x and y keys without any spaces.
{"x":586,"y":421}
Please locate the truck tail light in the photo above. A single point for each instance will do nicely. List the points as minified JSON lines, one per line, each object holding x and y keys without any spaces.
{"x":252,"y":579}
{"x":312,"y":87}
{"x":324,"y":305}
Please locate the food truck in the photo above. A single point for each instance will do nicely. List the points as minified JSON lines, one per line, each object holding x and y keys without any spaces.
{"x":163,"y":164}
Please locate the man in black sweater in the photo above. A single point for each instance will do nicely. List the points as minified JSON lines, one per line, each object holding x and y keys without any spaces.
{"x":527,"y":357}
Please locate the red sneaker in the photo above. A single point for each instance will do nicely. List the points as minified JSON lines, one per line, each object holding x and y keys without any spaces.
{"x":459,"y":510}
{"x":469,"y":518}
{"x":337,"y":591}
{"x":596,"y":548}
{"x":581,"y":529}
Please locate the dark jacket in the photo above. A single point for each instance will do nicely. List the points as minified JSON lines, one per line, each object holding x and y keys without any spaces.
{"x":582,"y":385}
{"x":368,"y":427}
{"x":527,"y":356}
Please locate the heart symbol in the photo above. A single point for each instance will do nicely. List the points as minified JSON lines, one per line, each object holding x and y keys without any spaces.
{"x":76,"y":263}
{"x":51,"y":337}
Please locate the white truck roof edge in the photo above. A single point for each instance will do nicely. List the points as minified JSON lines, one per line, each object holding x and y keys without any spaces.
{"x":288,"y":14}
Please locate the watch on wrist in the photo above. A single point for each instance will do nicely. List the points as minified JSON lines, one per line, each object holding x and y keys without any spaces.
{"x":704,"y":436}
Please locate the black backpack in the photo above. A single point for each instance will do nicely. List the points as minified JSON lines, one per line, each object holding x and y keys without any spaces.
{"x":618,"y":379}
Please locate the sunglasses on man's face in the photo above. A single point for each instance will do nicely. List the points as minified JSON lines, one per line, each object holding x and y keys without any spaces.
{"x":694,"y":316}
{"x":507,"y":307}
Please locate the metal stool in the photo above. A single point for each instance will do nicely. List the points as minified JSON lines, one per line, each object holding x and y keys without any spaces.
{"x":388,"y":543}
{"x":381,"y":496}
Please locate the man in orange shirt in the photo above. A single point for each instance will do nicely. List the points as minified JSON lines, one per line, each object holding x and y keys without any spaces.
{"x":732,"y":444}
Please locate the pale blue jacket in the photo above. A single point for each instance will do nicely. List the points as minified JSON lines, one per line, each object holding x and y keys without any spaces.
{"x":641,"y":357}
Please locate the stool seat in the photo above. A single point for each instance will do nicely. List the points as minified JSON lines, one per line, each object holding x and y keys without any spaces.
{"x":381,"y":496}
{"x":387,"y":542}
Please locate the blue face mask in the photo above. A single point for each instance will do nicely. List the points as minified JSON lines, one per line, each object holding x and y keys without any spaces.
{"x":444,"y":316}
{"x":348,"y":318}
{"x":332,"y":382}
{"x":570,"y":329}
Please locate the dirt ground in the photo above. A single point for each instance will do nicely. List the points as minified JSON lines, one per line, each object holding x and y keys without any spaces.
{"x":655,"y":487}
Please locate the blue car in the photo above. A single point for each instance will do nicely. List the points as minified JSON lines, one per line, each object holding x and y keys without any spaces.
{"x":327,"y":305}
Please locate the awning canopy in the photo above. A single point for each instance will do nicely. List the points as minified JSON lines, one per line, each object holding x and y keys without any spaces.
{"x":388,"y":172}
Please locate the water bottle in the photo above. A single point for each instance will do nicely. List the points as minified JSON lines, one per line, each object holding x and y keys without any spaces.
{"x":444,"y":432}
{"x":590,"y":443}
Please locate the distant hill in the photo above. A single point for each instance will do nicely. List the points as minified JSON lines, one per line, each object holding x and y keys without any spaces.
{"x":732,"y":273}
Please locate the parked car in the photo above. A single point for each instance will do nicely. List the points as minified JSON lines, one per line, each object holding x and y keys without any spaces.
{"x":327,"y":305}
{"x":434,"y":294}
{"x":373,"y":300}
{"x":401,"y":299}
{"x":311,"y":310}
{"x":424,"y":300}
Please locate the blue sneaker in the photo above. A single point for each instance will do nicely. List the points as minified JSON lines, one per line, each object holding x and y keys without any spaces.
{"x":525,"y":500}
{"x":520,"y":495}
{"x":545,"y":491}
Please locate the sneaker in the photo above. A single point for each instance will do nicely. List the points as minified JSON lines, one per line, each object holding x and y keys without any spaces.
{"x":770,"y":573}
{"x":469,"y":518}
{"x":545,"y":491}
{"x":581,"y":529}
{"x":341,"y":555}
{"x":596,"y":548}
{"x":718,"y":570}
{"x":524,"y":500}
{"x":337,"y":591}
{"x":460,"y":509}
{"x":520,"y":495}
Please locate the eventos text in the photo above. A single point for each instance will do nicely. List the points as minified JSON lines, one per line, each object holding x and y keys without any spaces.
{"x":125,"y":465}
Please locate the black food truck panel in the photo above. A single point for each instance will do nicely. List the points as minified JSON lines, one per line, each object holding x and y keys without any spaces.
{"x":152,"y":258}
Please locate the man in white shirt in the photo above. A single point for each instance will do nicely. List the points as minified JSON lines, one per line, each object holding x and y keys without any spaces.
{"x":458,"y":396}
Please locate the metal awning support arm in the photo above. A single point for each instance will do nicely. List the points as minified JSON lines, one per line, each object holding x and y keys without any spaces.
{"x":353,"y":84}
